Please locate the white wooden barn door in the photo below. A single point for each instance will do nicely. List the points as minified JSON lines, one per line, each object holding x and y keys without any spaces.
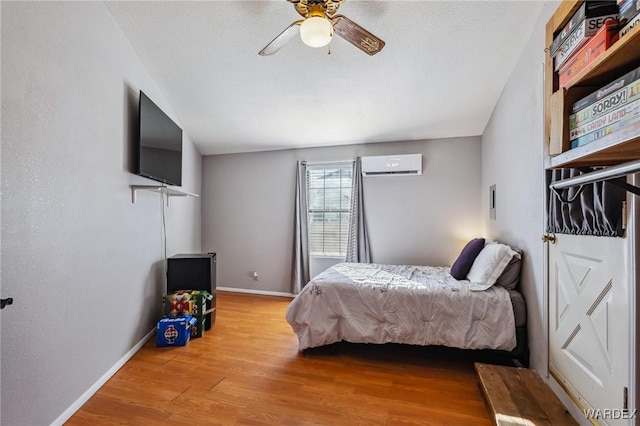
{"x":589,"y":319}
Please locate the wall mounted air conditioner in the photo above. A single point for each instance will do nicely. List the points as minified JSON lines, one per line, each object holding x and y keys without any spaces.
{"x":392,"y":165}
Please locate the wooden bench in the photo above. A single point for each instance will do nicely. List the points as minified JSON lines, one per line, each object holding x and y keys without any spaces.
{"x":518,"y":396}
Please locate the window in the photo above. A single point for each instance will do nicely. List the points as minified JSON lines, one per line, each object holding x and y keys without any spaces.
{"x":329,"y":201}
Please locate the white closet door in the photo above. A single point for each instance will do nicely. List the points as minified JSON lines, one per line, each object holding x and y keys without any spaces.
{"x":589,"y":319}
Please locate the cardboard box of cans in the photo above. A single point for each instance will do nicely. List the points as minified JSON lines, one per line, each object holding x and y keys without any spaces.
{"x":186,"y":302}
{"x":174,"y":331}
{"x":197,"y":329}
{"x":189,"y":302}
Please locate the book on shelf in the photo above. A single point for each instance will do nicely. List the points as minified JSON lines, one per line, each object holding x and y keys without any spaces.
{"x":591,"y":10}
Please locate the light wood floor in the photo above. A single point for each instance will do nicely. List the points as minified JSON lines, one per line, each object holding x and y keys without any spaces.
{"x":247,"y":370}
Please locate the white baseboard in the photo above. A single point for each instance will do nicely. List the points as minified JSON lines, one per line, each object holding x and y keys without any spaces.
{"x":568,"y":403}
{"x":101,"y":381}
{"x":251,"y":291}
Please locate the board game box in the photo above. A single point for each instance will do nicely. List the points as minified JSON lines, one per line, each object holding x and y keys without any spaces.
{"x":605,"y":106}
{"x":605,"y":131}
{"x":580,"y":106}
{"x":588,"y":9}
{"x":624,"y":112}
{"x":624,"y":7}
{"x":597,"y":45}
{"x":630,"y":25}
{"x":578,"y":37}
{"x":628,"y":9}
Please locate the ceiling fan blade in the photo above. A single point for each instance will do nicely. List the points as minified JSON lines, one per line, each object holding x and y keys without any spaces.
{"x":283,"y":38}
{"x":356,"y":35}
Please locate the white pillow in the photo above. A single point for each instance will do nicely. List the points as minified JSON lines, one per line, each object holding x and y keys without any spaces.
{"x":489,"y":265}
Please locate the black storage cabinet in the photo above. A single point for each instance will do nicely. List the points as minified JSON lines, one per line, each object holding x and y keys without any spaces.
{"x":194,"y":272}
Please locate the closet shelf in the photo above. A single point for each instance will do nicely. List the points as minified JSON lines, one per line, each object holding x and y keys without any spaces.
{"x":613,"y":149}
{"x":618,"y":147}
{"x":159,"y":189}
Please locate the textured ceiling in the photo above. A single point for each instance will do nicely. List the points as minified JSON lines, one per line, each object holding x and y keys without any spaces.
{"x":440,"y":74}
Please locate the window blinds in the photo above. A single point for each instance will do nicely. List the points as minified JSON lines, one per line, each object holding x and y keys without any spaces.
{"x":329,"y":188}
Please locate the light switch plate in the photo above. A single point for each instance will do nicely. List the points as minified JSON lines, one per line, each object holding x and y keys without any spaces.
{"x":492,"y":202}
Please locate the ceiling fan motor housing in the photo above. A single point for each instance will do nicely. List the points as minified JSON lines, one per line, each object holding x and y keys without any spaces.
{"x":305,"y":7}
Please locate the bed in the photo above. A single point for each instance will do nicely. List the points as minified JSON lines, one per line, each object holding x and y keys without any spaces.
{"x":417,"y":305}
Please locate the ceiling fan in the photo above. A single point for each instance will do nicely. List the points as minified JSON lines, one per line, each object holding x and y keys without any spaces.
{"x":318,"y":26}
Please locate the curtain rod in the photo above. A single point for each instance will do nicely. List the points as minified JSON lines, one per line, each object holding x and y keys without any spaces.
{"x":317,"y":163}
{"x":598,"y":175}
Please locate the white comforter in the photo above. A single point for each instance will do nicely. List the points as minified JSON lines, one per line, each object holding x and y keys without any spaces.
{"x":420,"y":305}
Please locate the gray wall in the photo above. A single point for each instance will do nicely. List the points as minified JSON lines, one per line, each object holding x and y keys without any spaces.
{"x":248,"y":204}
{"x":1,"y":293}
{"x":512,"y":159}
{"x":83,"y":264}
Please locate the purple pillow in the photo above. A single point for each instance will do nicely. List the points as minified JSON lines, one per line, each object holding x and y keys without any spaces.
{"x":462,"y":265}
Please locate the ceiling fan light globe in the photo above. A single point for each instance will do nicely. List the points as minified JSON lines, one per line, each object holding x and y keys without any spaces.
{"x":316,"y":31}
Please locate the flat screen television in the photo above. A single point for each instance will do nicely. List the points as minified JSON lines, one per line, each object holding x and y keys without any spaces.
{"x":159,"y":144}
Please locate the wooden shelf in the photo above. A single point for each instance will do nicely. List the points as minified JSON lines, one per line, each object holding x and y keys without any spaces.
{"x":616,"y":148}
{"x":169,"y":192}
{"x":620,"y":58}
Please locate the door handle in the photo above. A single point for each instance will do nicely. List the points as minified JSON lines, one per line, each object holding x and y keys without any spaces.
{"x":5,"y":302}
{"x":546,"y":238}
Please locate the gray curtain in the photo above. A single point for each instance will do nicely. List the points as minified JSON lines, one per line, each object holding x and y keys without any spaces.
{"x":592,"y":209}
{"x":301,"y":274}
{"x":358,"y":241}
